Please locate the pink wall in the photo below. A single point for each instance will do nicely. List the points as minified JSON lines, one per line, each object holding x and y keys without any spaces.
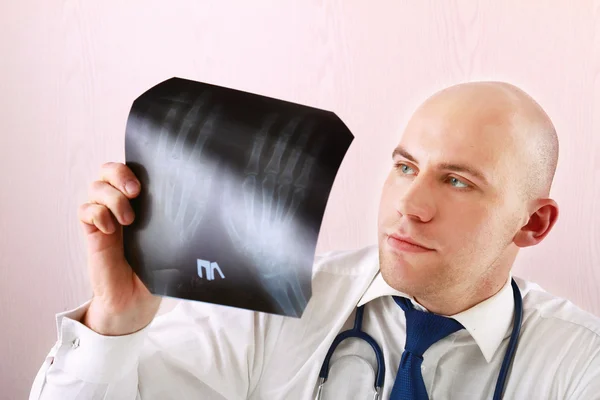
{"x":70,"y":70}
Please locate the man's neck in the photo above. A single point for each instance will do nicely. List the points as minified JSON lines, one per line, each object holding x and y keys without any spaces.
{"x":461,"y":299}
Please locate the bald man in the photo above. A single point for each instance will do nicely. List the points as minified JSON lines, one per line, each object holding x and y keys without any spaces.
{"x":469,"y":186}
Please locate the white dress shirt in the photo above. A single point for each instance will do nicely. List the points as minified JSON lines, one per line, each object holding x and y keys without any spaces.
{"x":206,"y":351}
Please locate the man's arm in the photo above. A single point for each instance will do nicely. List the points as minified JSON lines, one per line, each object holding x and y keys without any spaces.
{"x":197,"y":350}
{"x":86,"y":365}
{"x":588,"y":387}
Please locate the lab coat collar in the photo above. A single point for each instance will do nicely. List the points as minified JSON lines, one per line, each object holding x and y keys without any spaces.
{"x":487,"y":322}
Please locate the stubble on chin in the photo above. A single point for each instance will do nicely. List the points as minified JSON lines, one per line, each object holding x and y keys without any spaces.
{"x":401,"y":275}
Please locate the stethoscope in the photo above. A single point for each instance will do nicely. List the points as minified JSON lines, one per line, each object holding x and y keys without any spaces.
{"x":356,"y":332}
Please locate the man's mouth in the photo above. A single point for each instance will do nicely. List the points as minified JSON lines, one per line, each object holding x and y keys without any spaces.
{"x":406,"y":244}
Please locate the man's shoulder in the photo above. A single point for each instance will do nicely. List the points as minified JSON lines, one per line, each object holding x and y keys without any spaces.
{"x":556,"y":313}
{"x":561,"y":341}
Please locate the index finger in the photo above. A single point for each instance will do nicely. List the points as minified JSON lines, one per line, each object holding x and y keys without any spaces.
{"x":121,"y":178}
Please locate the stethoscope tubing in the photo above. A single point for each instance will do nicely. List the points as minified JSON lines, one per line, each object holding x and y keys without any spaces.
{"x":355,"y":332}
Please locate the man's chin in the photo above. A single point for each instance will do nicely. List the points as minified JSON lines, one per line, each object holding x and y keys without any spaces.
{"x":402,"y":273}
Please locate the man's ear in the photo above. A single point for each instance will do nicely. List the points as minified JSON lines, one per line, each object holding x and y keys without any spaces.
{"x":539,"y":225}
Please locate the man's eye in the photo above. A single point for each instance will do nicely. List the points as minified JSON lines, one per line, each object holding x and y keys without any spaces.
{"x":458,"y":184}
{"x":404,"y":168}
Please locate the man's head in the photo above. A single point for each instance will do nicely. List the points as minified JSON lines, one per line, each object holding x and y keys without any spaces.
{"x":470,"y":181}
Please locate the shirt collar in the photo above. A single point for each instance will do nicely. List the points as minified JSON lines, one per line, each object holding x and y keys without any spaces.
{"x":487,"y":322}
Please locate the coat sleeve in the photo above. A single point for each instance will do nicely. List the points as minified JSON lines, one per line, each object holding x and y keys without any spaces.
{"x":196,"y":350}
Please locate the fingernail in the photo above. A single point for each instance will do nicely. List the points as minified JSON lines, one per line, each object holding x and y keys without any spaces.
{"x":132,"y":187}
{"x":128,"y":217}
{"x":110,"y":227}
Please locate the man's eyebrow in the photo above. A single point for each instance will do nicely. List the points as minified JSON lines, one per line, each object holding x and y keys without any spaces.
{"x":464,"y":168}
{"x":401,"y":151}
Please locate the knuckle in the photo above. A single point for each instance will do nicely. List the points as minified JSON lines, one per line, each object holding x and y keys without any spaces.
{"x":115,"y":173}
{"x":113,"y":199}
{"x":82,"y":210}
{"x":107,"y":166}
{"x":122,"y":175}
{"x":99,"y":212}
{"x":89,"y":212}
{"x":97,"y":185}
{"x":95,"y":189}
{"x":122,"y":170}
{"x":91,"y":209}
{"x":104,"y":194}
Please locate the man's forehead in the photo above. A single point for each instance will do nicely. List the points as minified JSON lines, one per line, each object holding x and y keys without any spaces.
{"x":491,"y":126}
{"x":476,"y":136}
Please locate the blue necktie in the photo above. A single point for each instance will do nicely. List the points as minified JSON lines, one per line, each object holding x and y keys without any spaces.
{"x":422,"y":330}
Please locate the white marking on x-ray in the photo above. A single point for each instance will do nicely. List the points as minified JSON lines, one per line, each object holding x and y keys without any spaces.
{"x":209,"y":268}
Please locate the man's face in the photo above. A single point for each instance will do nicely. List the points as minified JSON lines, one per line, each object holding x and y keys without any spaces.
{"x":454,"y":189}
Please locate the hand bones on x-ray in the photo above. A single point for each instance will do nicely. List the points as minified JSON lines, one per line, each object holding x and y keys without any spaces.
{"x":261,"y":221}
{"x":180,"y":178}
{"x":189,"y":176}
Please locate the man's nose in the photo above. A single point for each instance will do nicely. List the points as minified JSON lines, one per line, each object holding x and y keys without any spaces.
{"x":416,"y":200}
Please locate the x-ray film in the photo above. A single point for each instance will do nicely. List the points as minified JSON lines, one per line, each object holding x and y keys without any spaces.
{"x":234,"y":187}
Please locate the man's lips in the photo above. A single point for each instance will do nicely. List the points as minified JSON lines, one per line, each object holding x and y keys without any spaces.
{"x":406,"y":243}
